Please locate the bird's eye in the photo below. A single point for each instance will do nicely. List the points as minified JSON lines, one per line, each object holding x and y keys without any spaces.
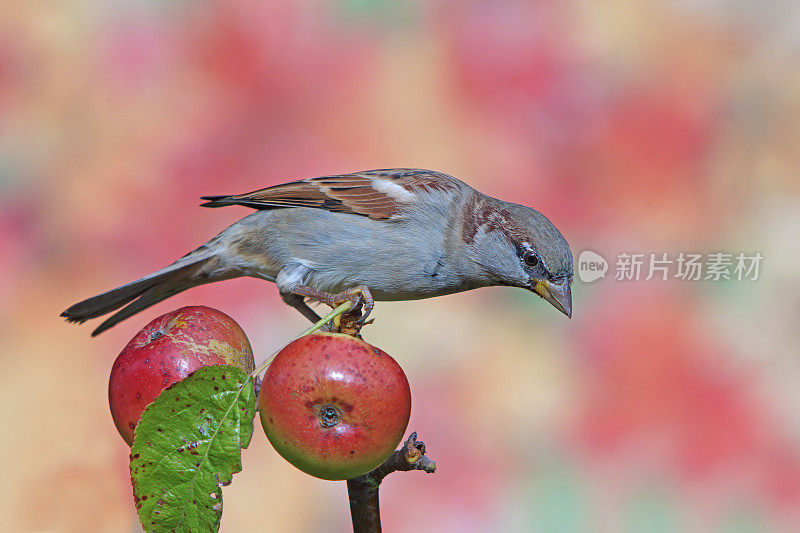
{"x":530,"y":258}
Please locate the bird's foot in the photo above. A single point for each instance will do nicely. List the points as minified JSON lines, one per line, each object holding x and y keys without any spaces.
{"x":362,"y":300}
{"x":353,"y":320}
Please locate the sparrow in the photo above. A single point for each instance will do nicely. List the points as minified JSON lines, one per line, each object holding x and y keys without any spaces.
{"x":390,"y":234}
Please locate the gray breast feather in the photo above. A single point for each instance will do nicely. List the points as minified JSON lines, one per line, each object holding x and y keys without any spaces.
{"x":396,"y":259}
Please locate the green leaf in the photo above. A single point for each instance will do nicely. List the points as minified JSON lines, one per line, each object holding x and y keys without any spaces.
{"x":188,"y":445}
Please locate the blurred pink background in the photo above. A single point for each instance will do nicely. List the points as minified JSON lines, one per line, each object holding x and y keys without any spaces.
{"x":652,"y":127}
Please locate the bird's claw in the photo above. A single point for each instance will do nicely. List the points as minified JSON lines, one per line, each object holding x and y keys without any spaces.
{"x":363,"y":304}
{"x":350,"y":321}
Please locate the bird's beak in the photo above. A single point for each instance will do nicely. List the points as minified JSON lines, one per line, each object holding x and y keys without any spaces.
{"x":559,"y":295}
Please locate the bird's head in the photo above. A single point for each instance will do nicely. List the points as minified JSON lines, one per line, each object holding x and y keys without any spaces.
{"x":518,"y":246}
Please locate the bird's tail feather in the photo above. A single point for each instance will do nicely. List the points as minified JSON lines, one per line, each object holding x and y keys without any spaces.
{"x":189,"y":271}
{"x":216,"y":201}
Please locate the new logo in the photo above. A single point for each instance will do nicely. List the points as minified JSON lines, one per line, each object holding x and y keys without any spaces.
{"x":591,"y":266}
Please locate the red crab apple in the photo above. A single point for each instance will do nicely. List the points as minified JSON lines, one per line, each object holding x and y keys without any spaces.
{"x":334,"y":406}
{"x":167,"y":350}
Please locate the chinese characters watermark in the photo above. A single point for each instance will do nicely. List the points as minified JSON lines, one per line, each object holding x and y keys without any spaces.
{"x":715,"y":266}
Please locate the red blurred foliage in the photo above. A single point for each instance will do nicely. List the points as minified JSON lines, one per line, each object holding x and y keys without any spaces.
{"x":473,"y":477}
{"x":588,"y":151}
{"x":657,"y":380}
{"x":273,"y":74}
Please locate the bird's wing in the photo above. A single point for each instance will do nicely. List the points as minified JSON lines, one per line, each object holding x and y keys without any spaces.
{"x":378,"y":194}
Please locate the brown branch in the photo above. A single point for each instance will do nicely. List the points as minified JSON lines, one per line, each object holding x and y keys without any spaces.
{"x":363,"y":491}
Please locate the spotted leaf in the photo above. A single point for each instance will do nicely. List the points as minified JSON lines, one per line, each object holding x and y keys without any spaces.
{"x":188,"y":445}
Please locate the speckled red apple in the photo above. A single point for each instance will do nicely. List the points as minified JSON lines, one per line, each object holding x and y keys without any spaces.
{"x":334,"y":406}
{"x":167,"y":350}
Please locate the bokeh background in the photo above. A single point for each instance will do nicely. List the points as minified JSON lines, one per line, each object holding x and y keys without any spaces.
{"x":658,"y":126}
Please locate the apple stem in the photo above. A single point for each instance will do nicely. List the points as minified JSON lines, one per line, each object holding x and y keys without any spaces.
{"x":363,"y":491}
{"x":338,"y":311}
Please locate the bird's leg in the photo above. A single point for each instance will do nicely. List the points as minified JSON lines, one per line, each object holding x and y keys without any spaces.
{"x":299,"y":303}
{"x":359,"y":295}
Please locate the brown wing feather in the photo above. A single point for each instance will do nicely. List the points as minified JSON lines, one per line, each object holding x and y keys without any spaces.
{"x":347,"y":193}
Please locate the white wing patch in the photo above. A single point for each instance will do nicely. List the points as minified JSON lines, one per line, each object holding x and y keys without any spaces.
{"x":394,"y":191}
